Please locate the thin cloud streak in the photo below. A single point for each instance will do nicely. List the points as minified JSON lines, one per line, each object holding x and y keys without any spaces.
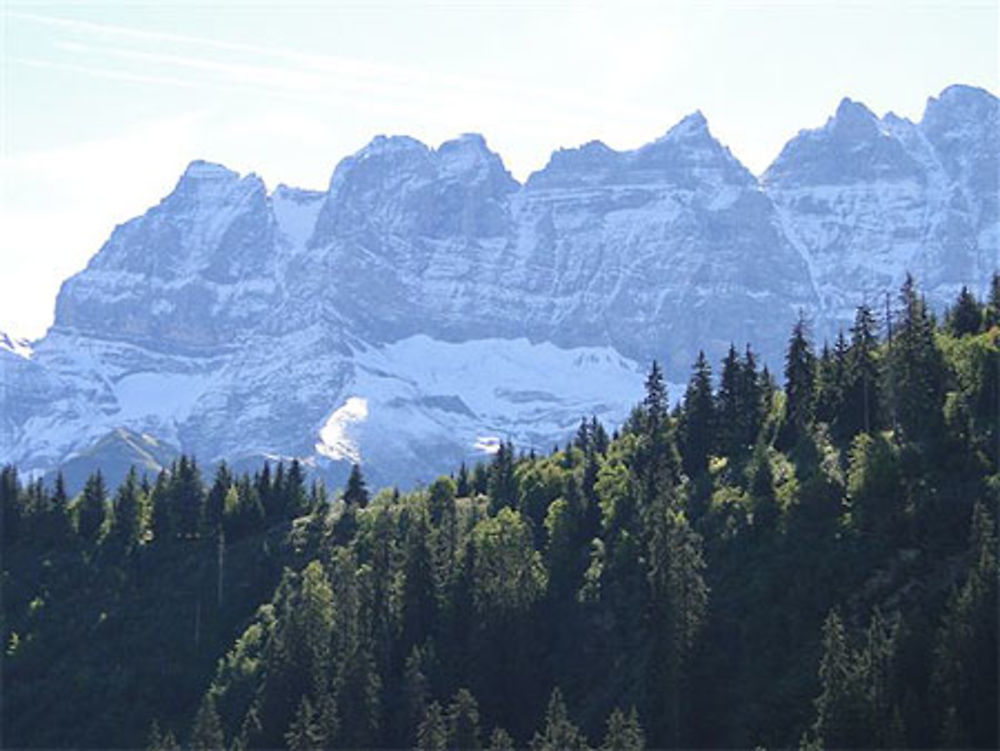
{"x":390,"y":80}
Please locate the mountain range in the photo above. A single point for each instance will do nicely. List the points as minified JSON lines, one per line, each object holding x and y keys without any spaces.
{"x":427,"y":305}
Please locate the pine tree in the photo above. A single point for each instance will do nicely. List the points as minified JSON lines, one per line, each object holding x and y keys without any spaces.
{"x":800,"y":367}
{"x":186,"y":496}
{"x":655,"y":403}
{"x":624,"y":732}
{"x":356,"y":492}
{"x":126,"y":523}
{"x":296,"y":501}
{"x":93,"y":507}
{"x":500,"y":740}
{"x":965,"y":675}
{"x":463,"y":488}
{"x":698,"y":419}
{"x":679,"y":598}
{"x":432,"y":734}
{"x":163,"y":513}
{"x":502,"y":482}
{"x":598,"y":436}
{"x":991,"y":316}
{"x":416,"y":692}
{"x":916,"y":372}
{"x":303,"y":733}
{"x":967,"y":316}
{"x":215,"y":500}
{"x":419,"y":605}
{"x":206,"y":735}
{"x":729,"y":411}
{"x":559,"y":733}
{"x":863,"y":395}
{"x":463,"y":722}
{"x":327,"y":723}
{"x":840,"y":707}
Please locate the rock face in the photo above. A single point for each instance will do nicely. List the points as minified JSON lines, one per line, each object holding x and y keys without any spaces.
{"x":427,"y":305}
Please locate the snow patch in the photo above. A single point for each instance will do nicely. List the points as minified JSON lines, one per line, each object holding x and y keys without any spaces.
{"x":335,"y":441}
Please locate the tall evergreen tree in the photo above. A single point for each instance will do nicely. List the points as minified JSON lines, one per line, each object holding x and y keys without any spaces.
{"x":206,"y":735}
{"x":967,"y":315}
{"x":126,"y":525}
{"x":356,"y":492}
{"x":502,"y":481}
{"x":698,"y":419}
{"x":863,"y":395}
{"x":93,"y":507}
{"x":624,"y":732}
{"x":840,"y":707}
{"x":800,"y":367}
{"x":303,"y":734}
{"x":463,"y":722}
{"x":432,"y":735}
{"x":916,"y":371}
{"x":558,"y":732}
{"x":655,"y":403}
{"x":186,"y":496}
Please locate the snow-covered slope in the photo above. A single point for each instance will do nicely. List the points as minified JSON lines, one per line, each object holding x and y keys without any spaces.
{"x":427,"y":305}
{"x":866,"y":199}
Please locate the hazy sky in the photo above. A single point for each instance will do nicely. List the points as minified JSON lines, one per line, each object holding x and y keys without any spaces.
{"x":103,"y":104}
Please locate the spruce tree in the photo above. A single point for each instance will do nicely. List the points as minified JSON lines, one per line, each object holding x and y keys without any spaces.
{"x":698,"y":419}
{"x":655,"y":403}
{"x":186,"y":496}
{"x":500,"y":740}
{"x":917,"y":372}
{"x":863,"y":394}
{"x":303,"y":732}
{"x":800,"y":367}
{"x":432,"y":734}
{"x":126,"y":529}
{"x":624,"y":732}
{"x":463,"y":722}
{"x":206,"y":735}
{"x":967,"y":316}
{"x":841,"y":705}
{"x":558,"y":733}
{"x":93,"y":508}
{"x":356,"y":492}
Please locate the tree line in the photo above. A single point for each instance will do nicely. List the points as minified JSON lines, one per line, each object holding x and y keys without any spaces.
{"x":813,"y":564}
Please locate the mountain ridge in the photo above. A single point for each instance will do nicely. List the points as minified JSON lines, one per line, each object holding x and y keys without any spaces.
{"x":229,"y":304}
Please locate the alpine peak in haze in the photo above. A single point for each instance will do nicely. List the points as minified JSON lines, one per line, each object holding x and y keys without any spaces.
{"x":427,"y":305}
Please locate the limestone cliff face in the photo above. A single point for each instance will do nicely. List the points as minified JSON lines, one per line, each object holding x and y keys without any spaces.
{"x":427,"y":304}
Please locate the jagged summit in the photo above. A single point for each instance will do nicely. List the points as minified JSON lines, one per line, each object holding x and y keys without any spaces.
{"x":690,"y":126}
{"x":199,"y":169}
{"x":426,"y":303}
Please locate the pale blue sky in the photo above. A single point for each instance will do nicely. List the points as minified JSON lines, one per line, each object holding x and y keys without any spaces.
{"x":104,"y":103}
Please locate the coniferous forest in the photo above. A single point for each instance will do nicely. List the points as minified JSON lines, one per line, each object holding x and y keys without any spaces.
{"x":796,"y":559}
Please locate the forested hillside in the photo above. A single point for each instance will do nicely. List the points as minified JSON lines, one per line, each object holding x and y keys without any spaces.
{"x":813,"y":565}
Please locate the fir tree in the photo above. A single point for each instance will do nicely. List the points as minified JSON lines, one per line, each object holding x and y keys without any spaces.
{"x":126,"y":523}
{"x":698,"y":419}
{"x":624,"y":732}
{"x":432,"y":734}
{"x":800,"y":366}
{"x":967,"y":316}
{"x":356,"y":492}
{"x":862,"y":396}
{"x":303,"y":734}
{"x":840,"y":707}
{"x":655,"y":403}
{"x":463,"y":722}
{"x":500,"y":740}
{"x":558,"y":733}
{"x":93,"y":507}
{"x":206,"y":735}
